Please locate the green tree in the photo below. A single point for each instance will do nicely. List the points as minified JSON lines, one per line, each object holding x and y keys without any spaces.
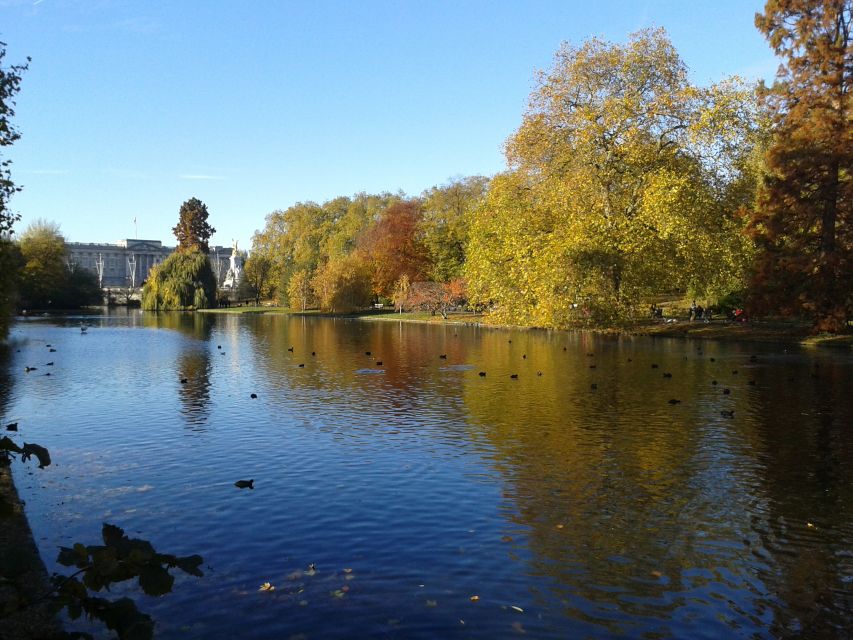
{"x":184,"y":280}
{"x":803,"y":222}
{"x":193,"y":230}
{"x":621,"y":185}
{"x":10,"y":83}
{"x":444,"y":226}
{"x":11,"y":263}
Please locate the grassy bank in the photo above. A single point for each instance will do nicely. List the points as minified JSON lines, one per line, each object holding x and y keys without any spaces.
{"x":789,"y":332}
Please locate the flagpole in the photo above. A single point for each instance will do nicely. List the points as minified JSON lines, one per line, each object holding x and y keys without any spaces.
{"x":135,"y":230}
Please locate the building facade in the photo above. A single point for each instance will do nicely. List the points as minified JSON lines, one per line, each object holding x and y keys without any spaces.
{"x":127,"y":263}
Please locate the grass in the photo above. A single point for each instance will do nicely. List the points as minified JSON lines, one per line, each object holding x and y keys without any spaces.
{"x":782,"y":331}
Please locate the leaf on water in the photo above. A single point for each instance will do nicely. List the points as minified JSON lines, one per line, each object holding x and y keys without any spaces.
{"x":506,"y":539}
{"x":432,"y":603}
{"x":266,"y":586}
{"x":519,"y":609}
{"x":475,"y":598}
{"x":657,"y":574}
{"x":155,"y":580}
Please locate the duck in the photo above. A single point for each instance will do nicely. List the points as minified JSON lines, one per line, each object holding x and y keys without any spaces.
{"x":301,"y":365}
{"x":83,"y":328}
{"x":727,"y":414}
{"x":654,"y":366}
{"x":52,"y":350}
{"x":667,"y":374}
{"x":219,"y":346}
{"x":368,"y":353}
{"x":254,"y":396}
{"x":443,"y":356}
{"x":245,"y":484}
{"x":379,"y":363}
{"x":538,"y":373}
{"x":28,"y":369}
{"x":290,"y":349}
{"x":524,"y":356}
{"x":674,"y":401}
{"x":12,"y":426}
{"x":726,"y":391}
{"x":482,"y":374}
{"x":593,"y":386}
{"x":313,"y":353}
{"x":48,"y":364}
{"x":184,"y":380}
{"x":514,"y":376}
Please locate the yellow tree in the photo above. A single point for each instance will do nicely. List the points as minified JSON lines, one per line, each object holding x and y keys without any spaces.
{"x":620,"y":185}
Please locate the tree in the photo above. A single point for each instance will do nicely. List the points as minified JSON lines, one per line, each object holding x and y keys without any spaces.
{"x":620,"y":185}
{"x":193,"y":230}
{"x":10,"y":82}
{"x":803,"y":221}
{"x":444,"y":227}
{"x":11,"y":263}
{"x":43,"y":276}
{"x":257,"y":274}
{"x":343,"y":285}
{"x":437,"y":297}
{"x":392,"y":247}
{"x":300,"y":293}
{"x":184,"y":280}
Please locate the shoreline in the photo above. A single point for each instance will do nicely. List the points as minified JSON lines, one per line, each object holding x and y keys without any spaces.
{"x":22,"y":571}
{"x":782,"y":332}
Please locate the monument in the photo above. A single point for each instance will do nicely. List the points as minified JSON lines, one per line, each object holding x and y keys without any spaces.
{"x":235,"y":270}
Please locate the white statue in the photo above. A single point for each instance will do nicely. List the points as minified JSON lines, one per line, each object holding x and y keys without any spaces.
{"x":235,"y":269}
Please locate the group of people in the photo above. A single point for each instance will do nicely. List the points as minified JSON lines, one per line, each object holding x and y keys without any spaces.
{"x":697,"y":312}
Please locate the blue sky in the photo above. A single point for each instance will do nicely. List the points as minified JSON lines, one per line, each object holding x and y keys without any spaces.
{"x":130,"y":108}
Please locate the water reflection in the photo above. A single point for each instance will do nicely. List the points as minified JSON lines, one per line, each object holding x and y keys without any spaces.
{"x":576,"y":491}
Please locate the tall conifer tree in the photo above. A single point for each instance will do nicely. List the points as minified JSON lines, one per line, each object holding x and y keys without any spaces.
{"x":803,"y":221}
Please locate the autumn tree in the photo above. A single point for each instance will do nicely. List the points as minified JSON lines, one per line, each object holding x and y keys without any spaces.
{"x":257,"y":274}
{"x":193,"y":231}
{"x":803,"y":222}
{"x":392,"y":247}
{"x":620,"y":186}
{"x":300,"y":291}
{"x":444,"y":226}
{"x":343,"y":285}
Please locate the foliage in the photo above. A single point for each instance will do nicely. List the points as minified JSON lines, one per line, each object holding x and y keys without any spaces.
{"x":10,"y":82}
{"x":400,"y":296}
{"x":392,"y":247}
{"x":444,"y":226}
{"x":803,"y":221}
{"x":184,"y":280}
{"x":44,"y":252}
{"x":343,"y":285}
{"x":624,"y":181}
{"x":193,"y":231}
{"x":257,"y":275}
{"x":47,"y":278}
{"x":8,"y":449}
{"x":11,"y":263}
{"x":300,"y":294}
{"x":307,"y":235}
{"x":436,"y":297}
{"x":119,"y":559}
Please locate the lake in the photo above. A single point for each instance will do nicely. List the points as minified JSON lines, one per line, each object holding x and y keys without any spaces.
{"x":572,"y":501}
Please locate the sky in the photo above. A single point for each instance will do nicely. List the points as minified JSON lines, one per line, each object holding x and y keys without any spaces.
{"x":128,"y":109}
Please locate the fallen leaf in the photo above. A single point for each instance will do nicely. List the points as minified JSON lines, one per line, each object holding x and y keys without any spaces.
{"x":506,"y":539}
{"x":266,"y":586}
{"x":475,"y":598}
{"x":519,"y":609}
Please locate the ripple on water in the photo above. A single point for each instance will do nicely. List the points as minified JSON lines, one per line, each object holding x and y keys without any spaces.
{"x":598,"y":512}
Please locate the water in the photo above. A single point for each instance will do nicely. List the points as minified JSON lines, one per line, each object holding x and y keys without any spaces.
{"x":417,"y":484}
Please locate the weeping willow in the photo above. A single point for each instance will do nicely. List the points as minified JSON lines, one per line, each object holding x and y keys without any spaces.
{"x":184,"y":280}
